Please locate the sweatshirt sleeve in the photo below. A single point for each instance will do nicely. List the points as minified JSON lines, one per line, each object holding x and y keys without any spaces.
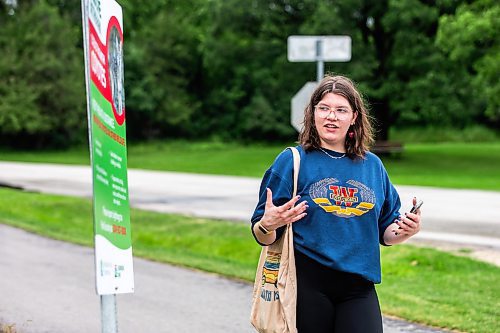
{"x":279,"y":178}
{"x":390,"y":208}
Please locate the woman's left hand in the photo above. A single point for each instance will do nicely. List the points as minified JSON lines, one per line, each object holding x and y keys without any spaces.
{"x":409,"y":224}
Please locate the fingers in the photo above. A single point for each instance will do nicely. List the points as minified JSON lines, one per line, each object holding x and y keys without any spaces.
{"x":275,"y":217}
{"x":402,"y":230}
{"x":289,"y":214}
{"x":298,"y":210}
{"x":408,"y":225}
{"x":413,"y":217}
{"x":298,"y":217}
{"x":289,"y":205}
{"x":269,"y":198}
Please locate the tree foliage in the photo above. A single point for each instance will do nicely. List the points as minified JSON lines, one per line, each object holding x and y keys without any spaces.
{"x":471,"y":40}
{"x":162,"y":69}
{"x":246,"y":73}
{"x":201,"y":68}
{"x":407,"y":80}
{"x":42,"y":86}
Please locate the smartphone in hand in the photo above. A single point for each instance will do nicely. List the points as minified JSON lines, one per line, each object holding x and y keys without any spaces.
{"x":413,"y":210}
{"x":417,"y":206}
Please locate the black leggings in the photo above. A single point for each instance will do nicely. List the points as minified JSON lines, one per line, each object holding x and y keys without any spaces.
{"x":330,"y":301}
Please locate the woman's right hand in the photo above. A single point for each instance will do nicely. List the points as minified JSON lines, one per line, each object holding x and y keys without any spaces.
{"x":277,"y":216}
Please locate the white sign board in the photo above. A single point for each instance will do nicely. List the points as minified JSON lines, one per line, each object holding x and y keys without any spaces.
{"x":299,"y":103}
{"x":333,"y":48}
{"x":103,"y":42}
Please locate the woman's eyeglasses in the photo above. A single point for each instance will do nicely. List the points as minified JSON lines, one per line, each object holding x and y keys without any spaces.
{"x":324,"y":111}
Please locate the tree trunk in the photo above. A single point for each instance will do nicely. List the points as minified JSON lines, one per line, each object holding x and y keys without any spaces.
{"x":383,"y":42}
{"x":380,"y":110}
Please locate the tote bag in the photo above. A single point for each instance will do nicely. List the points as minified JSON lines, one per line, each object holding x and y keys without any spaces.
{"x":275,"y":287}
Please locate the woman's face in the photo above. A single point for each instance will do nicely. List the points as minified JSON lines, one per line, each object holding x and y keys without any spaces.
{"x":333,"y":116}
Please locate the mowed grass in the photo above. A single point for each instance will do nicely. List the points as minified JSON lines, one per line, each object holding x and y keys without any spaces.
{"x":448,"y":291}
{"x":419,"y":284}
{"x":451,"y":165}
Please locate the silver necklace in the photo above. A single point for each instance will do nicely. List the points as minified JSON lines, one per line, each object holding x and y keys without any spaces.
{"x":334,"y":157}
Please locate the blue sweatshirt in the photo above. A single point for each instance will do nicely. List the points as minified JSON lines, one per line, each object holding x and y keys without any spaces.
{"x":351,"y":203}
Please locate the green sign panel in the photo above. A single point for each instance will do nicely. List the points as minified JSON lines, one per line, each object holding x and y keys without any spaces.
{"x":106,"y":105}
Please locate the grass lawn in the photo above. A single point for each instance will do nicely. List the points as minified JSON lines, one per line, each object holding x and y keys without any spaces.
{"x":423,"y":285}
{"x":453,"y":165}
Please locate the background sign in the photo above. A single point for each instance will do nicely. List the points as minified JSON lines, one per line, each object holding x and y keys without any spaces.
{"x":304,"y":48}
{"x":299,"y":103}
{"x":310,"y":49}
{"x":106,"y":107}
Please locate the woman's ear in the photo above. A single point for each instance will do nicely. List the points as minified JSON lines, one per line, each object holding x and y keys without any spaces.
{"x":354,"y":117}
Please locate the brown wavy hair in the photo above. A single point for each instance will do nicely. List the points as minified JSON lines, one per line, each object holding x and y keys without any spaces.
{"x":362,"y":128}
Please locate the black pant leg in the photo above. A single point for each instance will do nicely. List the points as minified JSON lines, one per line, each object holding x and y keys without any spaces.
{"x":315,"y":311}
{"x":360,"y":314}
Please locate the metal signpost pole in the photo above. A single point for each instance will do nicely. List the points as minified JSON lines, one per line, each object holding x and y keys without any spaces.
{"x":320,"y":63}
{"x":109,"y":323}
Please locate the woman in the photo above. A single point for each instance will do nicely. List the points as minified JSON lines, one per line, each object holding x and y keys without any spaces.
{"x":348,"y":206}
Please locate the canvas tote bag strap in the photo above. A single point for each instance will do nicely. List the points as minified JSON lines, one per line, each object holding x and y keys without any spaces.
{"x":296,"y":167}
{"x":288,"y":284}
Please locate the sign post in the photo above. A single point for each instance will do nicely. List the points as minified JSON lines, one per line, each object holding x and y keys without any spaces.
{"x":103,"y":49}
{"x":320,"y":63}
{"x":310,"y":49}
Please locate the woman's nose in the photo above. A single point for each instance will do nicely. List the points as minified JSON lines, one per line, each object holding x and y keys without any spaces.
{"x":332,"y":115}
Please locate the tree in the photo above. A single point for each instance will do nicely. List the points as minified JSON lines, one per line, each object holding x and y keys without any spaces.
{"x":42,"y":87}
{"x":162,"y":66}
{"x":405,"y":78}
{"x":248,"y":80}
{"x":471,"y":40}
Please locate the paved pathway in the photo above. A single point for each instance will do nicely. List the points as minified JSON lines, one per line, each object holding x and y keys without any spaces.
{"x":47,"y":286}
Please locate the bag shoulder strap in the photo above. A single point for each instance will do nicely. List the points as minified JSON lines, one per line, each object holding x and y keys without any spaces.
{"x":296,"y":168}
